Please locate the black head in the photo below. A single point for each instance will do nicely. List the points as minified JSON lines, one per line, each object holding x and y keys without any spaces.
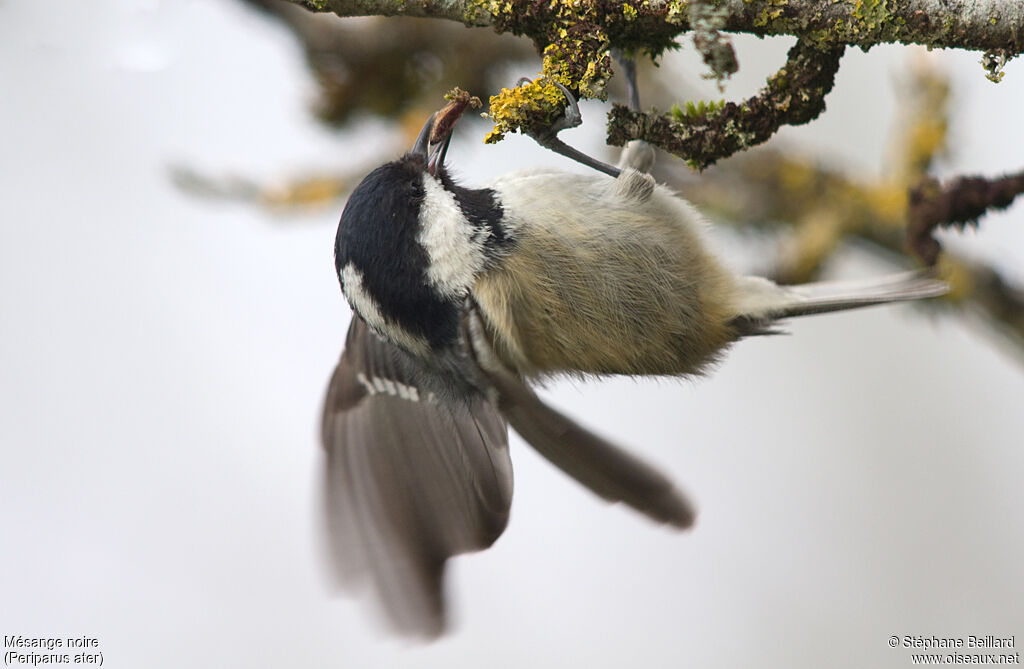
{"x":381,"y":264}
{"x":411,"y":243}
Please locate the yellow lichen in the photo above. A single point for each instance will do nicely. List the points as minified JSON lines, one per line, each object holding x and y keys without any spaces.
{"x":532,"y":105}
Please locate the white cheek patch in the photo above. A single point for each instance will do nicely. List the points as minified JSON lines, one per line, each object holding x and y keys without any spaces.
{"x":366,"y":306}
{"x":456,"y":257}
{"x":362,"y":301}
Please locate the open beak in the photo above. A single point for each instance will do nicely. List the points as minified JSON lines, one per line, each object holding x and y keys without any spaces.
{"x":436,"y":134}
{"x":431,"y":147}
{"x":422,"y":145}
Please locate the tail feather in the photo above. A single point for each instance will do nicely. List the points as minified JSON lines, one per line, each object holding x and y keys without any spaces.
{"x":761,"y":302}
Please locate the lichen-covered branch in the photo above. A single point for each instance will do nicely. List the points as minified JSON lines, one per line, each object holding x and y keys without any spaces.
{"x":794,"y":95}
{"x":575,"y":38}
{"x":454,"y":10}
{"x":957,"y":204}
{"x":824,"y":208}
{"x":979,"y":25}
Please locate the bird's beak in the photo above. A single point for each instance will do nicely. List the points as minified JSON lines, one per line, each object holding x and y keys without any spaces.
{"x":436,"y":134}
{"x":432,"y":142}
{"x":422,"y":145}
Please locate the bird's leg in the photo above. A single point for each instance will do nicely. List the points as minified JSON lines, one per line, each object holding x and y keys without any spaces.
{"x":570,"y":119}
{"x":628,"y":64}
{"x":637,"y":154}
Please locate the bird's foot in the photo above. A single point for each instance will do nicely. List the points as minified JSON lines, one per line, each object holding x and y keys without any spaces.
{"x":571,"y":118}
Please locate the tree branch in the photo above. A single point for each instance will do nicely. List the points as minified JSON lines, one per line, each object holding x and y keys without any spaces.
{"x":978,"y":25}
{"x":794,"y":95}
{"x":957,"y":204}
{"x":575,"y":39}
{"x":454,"y":10}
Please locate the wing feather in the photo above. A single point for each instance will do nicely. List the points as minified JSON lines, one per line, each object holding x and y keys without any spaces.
{"x":411,"y":480}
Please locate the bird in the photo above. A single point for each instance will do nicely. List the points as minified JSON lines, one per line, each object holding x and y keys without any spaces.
{"x":463,"y":300}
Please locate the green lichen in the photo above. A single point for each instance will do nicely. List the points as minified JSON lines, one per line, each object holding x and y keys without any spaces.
{"x":874,"y":18}
{"x":865,"y":23}
{"x":772,"y":11}
{"x":317,"y":5}
{"x":826,"y":37}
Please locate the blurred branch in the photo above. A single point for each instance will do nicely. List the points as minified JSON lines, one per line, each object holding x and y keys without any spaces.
{"x":826,"y":208}
{"x":957,"y":204}
{"x":311,"y":192}
{"x":390,"y":67}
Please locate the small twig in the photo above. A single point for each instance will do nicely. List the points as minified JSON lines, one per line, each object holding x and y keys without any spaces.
{"x":957,"y":204}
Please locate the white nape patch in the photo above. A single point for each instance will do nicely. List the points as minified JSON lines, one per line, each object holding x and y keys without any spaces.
{"x":448,"y":238}
{"x":366,"y":306}
{"x":388,"y":387}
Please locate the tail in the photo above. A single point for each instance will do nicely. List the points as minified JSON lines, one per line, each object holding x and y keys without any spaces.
{"x":761,"y":302}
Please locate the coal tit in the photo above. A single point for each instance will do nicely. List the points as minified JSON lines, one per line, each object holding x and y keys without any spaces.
{"x":464,"y":296}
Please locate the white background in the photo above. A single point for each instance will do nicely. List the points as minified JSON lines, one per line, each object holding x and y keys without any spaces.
{"x":162,"y":360}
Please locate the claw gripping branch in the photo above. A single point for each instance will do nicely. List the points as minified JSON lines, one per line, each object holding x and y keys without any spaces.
{"x":575,"y":38}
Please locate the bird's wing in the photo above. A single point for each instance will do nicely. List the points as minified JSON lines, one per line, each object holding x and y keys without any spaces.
{"x":411,"y":480}
{"x":598,"y":464}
